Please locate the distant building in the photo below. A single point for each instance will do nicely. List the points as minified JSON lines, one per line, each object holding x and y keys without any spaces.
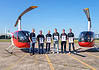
{"x":97,"y":36}
{"x":4,"y":37}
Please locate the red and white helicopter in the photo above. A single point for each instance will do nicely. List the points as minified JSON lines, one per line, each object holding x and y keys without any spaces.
{"x":20,"y":38}
{"x":87,"y":38}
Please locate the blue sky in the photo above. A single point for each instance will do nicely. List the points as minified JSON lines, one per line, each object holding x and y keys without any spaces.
{"x":49,"y":15}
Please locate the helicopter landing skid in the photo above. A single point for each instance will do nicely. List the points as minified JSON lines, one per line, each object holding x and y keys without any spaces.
{"x":96,"y":47}
{"x":10,"y":49}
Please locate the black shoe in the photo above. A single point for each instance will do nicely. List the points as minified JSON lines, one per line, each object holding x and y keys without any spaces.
{"x":42,"y":53}
{"x":10,"y":52}
{"x":65,"y":52}
{"x":75,"y":52}
{"x":32,"y":53}
{"x":47,"y":52}
{"x":69,"y":52}
{"x":62,"y":52}
{"x":39,"y":52}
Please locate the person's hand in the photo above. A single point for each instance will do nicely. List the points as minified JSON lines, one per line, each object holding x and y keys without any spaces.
{"x":31,"y":41}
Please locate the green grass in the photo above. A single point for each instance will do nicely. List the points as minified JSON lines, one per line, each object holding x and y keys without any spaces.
{"x":8,"y":40}
{"x":76,"y":41}
{"x":4,"y":40}
{"x":96,"y":41}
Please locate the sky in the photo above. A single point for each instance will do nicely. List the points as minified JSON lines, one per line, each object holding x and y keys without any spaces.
{"x":49,"y":15}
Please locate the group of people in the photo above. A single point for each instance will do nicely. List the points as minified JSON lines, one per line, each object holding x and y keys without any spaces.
{"x":55,"y":38}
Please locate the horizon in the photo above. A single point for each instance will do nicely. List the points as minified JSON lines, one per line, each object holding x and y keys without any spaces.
{"x":50,"y":14}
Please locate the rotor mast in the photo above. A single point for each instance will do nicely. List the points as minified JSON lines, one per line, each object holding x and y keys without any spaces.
{"x":89,"y":25}
{"x":19,"y":25}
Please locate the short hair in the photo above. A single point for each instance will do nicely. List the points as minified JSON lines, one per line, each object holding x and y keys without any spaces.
{"x":40,"y":30}
{"x":55,"y":28}
{"x":70,"y":29}
{"x":63,"y":29}
{"x":48,"y":30}
{"x":33,"y":29}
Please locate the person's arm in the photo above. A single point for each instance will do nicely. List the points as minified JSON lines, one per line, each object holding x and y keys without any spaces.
{"x":58,"y":37}
{"x":61,"y":36}
{"x":30,"y":38}
{"x":73,"y":36}
{"x":53,"y":36}
{"x":44,"y":37}
{"x":66,"y":37}
{"x":37,"y":38}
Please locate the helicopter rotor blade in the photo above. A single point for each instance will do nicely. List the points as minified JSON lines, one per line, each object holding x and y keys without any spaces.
{"x":86,"y":10}
{"x":27,"y":10}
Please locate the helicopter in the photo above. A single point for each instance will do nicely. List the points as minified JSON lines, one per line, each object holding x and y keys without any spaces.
{"x":87,"y":38}
{"x":20,"y":38}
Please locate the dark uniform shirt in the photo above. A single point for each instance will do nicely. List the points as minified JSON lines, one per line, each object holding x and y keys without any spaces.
{"x":56,"y":36}
{"x":40,"y":38}
{"x":48,"y":38}
{"x":32,"y":36}
{"x":62,"y":37}
{"x":71,"y":35}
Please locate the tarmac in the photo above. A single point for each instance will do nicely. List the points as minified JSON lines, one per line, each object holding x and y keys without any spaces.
{"x":84,"y":59}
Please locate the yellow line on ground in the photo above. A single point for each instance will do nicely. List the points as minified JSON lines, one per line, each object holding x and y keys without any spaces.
{"x":92,"y":68}
{"x":92,"y":55}
{"x":12,"y":65}
{"x":49,"y":62}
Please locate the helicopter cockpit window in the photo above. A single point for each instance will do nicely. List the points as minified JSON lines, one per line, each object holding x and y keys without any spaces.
{"x":86,"y":36}
{"x":23,"y":36}
{"x":15,"y":35}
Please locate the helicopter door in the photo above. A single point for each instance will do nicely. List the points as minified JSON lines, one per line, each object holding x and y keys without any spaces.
{"x":15,"y":38}
{"x":15,"y":35}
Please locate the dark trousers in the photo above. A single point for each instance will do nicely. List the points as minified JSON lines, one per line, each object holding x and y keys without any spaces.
{"x":63,"y":45}
{"x":41,"y":47}
{"x":48,"y":47}
{"x":32,"y":48}
{"x":72,"y":46}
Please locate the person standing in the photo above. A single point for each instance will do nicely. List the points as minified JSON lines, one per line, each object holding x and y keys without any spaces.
{"x":32,"y":39}
{"x":71,"y":40}
{"x":48,"y":41}
{"x":12,"y":46}
{"x":56,"y":40}
{"x":63,"y":41}
{"x":40,"y":39}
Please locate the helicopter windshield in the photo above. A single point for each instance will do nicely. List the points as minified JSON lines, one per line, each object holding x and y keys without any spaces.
{"x":86,"y":36}
{"x":23,"y":36}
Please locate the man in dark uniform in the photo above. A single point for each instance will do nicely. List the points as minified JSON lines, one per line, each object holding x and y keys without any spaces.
{"x":71,"y":40}
{"x":32,"y":39}
{"x":56,"y":40}
{"x":48,"y":41}
{"x":63,"y":41}
{"x":40,"y":39}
